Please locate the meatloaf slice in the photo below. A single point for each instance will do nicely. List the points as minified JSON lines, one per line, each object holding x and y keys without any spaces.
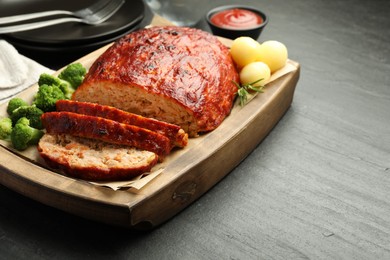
{"x":94,"y":160}
{"x":177,"y":135}
{"x":179,"y":75}
{"x":106,"y":130}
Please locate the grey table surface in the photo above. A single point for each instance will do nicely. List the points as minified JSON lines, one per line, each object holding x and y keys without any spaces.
{"x":318,"y":186}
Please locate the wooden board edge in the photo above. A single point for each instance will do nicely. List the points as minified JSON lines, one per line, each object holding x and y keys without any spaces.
{"x":77,"y":204}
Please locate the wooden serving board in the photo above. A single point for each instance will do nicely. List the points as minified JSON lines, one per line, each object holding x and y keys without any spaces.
{"x":187,"y":174}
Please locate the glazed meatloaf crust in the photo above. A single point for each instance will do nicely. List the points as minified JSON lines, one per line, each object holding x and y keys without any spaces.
{"x":94,"y":160}
{"x":174,"y":74}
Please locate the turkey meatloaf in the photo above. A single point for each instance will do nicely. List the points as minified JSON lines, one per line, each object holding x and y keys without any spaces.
{"x":176,"y":135}
{"x":179,"y":75}
{"x":95,"y":160}
{"x":106,"y":130}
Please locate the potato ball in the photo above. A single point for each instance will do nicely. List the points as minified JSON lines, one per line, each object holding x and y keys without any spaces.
{"x":244,"y":50}
{"x":253,"y":72}
{"x":274,"y":54}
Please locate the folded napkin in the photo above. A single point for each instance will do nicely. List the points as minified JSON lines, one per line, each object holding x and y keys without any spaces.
{"x":17,"y":72}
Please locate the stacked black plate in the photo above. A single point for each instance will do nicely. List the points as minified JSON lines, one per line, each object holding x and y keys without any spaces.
{"x":58,"y":45}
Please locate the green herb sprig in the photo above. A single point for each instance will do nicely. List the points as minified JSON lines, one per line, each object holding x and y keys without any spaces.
{"x":243,"y":90}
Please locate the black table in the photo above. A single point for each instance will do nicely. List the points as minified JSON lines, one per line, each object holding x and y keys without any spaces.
{"x":317,"y":187}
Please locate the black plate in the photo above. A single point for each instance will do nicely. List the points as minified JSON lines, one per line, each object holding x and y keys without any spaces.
{"x":57,"y":55}
{"x":130,"y":14}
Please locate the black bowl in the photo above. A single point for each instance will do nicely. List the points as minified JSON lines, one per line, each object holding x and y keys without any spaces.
{"x":231,"y":33}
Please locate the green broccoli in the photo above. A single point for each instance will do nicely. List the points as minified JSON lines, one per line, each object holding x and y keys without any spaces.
{"x":23,"y":134}
{"x":5,"y":128}
{"x":14,"y":103}
{"x":50,"y":80}
{"x":67,"y":90}
{"x":32,"y":113}
{"x":74,"y":74}
{"x":47,"y":96}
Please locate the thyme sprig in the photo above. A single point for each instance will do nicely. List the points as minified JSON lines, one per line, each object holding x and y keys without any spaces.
{"x":244,"y":89}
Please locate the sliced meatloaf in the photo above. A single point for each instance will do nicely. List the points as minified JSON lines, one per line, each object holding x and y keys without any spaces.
{"x":94,"y":160}
{"x":106,"y":130}
{"x":176,"y":135}
{"x":179,"y":75}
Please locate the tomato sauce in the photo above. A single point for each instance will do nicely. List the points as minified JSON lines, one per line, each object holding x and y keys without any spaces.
{"x":236,"y":19}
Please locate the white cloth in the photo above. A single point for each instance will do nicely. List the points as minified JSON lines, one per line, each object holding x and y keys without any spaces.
{"x":17,"y":72}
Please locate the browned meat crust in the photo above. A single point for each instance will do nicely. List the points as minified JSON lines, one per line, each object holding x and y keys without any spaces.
{"x":179,"y":75}
{"x":177,"y":135}
{"x":106,"y":130}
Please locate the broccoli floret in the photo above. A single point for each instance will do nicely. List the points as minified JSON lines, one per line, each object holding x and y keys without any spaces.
{"x":67,"y":90}
{"x":23,"y":121}
{"x":74,"y":74}
{"x":68,"y":80}
{"x":50,"y":80}
{"x":32,"y":113}
{"x":23,"y":134}
{"x":5,"y":128}
{"x":14,"y":103}
{"x":47,"y":96}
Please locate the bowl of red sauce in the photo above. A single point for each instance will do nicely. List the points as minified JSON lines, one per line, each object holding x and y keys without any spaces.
{"x":233,"y":21}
